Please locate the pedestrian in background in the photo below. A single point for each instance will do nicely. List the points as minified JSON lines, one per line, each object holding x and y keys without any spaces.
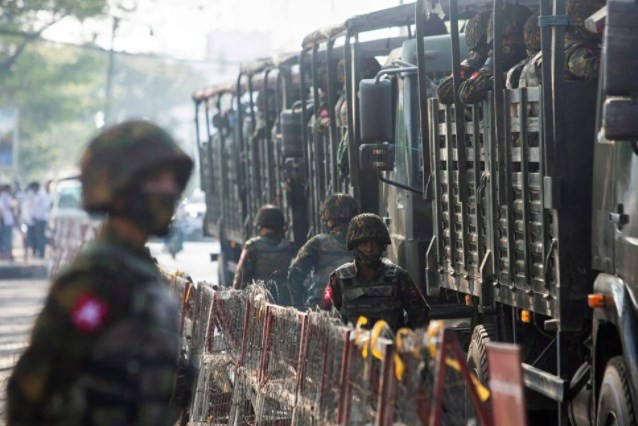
{"x":8,"y":220}
{"x":26,"y":216}
{"x":40,"y":216}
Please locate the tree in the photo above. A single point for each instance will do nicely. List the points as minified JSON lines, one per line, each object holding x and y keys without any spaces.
{"x":26,"y":20}
{"x":57,"y":90}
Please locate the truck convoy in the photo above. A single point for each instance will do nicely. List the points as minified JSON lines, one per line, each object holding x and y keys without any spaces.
{"x":515,"y":214}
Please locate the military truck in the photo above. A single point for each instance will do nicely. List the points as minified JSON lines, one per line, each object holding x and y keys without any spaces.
{"x":524,"y":230}
{"x":531,"y":214}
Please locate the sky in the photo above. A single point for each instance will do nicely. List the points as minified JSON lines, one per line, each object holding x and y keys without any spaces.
{"x":178,"y":28}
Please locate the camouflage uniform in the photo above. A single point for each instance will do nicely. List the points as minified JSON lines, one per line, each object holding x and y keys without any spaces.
{"x":267,"y":257}
{"x":476,"y":87}
{"x":476,"y":41}
{"x":582,"y":48}
{"x":386,"y":295}
{"x":104,"y":350}
{"x":323,"y":253}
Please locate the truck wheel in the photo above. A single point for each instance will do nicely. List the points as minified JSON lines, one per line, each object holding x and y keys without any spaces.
{"x":477,"y":352}
{"x":614,"y":404}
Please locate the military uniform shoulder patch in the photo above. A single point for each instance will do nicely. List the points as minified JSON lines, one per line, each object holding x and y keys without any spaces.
{"x":89,"y":313}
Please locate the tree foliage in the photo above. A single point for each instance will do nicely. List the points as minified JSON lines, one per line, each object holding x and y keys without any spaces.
{"x":59,"y":90}
{"x":27,"y":19}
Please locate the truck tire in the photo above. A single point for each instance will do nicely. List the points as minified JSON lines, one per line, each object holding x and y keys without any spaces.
{"x":615,"y":403}
{"x":477,"y":352}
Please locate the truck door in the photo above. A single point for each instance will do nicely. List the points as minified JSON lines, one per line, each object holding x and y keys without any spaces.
{"x":624,"y":215}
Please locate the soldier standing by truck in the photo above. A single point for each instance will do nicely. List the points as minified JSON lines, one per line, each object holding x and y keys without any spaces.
{"x":372,"y":286}
{"x":324,"y":252}
{"x":267,"y":256}
{"x":104,"y":349}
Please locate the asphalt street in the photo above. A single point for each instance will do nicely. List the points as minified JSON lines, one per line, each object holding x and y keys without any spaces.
{"x":20,"y":302}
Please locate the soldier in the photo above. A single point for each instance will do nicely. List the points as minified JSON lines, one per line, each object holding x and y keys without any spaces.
{"x":324,"y":252}
{"x":582,"y":48}
{"x":267,"y":256}
{"x":372,"y":286}
{"x":476,"y":87}
{"x":104,"y":349}
{"x":527,"y":73}
{"x":476,"y":41}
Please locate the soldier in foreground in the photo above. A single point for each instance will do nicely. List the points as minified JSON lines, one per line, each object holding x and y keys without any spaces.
{"x":323,"y":253}
{"x":104,"y":349}
{"x":372,"y":286}
{"x":267,"y":256}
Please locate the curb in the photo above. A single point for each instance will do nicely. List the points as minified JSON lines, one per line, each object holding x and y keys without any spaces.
{"x":23,"y":272}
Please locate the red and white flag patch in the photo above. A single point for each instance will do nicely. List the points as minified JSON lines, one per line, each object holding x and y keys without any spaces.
{"x":89,"y":313}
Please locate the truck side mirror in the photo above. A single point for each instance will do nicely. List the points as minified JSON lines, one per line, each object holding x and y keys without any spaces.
{"x":619,"y":45}
{"x":620,"y":113}
{"x":292,"y":132}
{"x":375,"y":112}
{"x":620,"y":119}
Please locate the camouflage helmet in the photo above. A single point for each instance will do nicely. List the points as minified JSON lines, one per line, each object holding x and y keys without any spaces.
{"x":476,"y":30}
{"x":579,"y":10}
{"x":514,"y":18}
{"x":367,"y":226}
{"x":532,"y":33}
{"x":270,"y":216}
{"x":339,"y":207}
{"x":115,"y":159}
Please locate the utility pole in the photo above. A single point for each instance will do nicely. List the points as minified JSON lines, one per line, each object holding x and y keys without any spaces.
{"x":109,"y":76}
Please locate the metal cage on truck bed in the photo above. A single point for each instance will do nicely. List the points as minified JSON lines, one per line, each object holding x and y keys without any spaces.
{"x":506,"y":230}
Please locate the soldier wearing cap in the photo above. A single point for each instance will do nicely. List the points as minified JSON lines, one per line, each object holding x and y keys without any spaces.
{"x":105,"y":348}
{"x":476,"y":41}
{"x":267,"y":256}
{"x":372,"y":286}
{"x":476,"y":87}
{"x":324,"y":252}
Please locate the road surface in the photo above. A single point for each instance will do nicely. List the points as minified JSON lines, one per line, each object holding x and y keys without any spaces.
{"x":20,"y":302}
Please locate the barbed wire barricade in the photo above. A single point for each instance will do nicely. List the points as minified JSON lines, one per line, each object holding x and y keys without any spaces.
{"x":282,"y":353}
{"x":263,"y":364}
{"x":322,"y":368}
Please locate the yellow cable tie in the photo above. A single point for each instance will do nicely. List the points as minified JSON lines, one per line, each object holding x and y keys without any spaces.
{"x":452,"y":363}
{"x":357,"y":331}
{"x":376,"y":332}
{"x":482,"y":391}
{"x":398,"y":340}
{"x":399,"y":366}
{"x":188,"y":293}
